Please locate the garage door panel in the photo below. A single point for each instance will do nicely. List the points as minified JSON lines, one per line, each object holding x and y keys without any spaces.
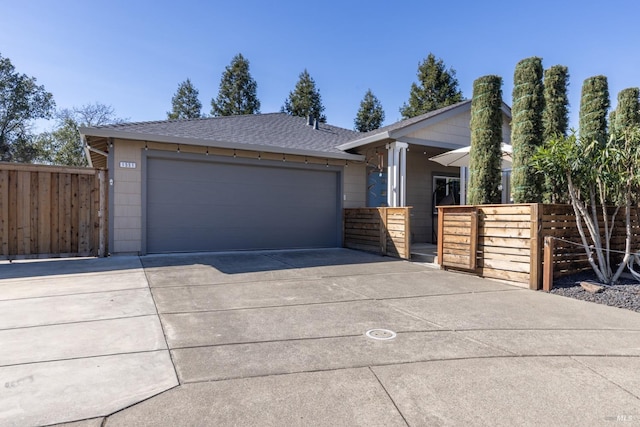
{"x":202,"y":206}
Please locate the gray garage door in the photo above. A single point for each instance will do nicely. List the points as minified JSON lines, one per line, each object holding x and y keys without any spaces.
{"x":217,"y":206}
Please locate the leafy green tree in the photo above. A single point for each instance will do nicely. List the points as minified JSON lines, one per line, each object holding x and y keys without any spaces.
{"x":21,"y":102}
{"x":238,"y":90}
{"x":370,"y":115}
{"x":598,"y":175}
{"x":63,"y":146}
{"x":555,"y":122}
{"x":486,"y":135}
{"x":526,"y":129}
{"x":437,"y":87}
{"x":304,"y":100}
{"x":594,"y":104}
{"x":185,"y":103}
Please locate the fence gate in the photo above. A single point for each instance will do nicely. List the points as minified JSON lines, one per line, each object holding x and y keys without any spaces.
{"x":52,"y":211}
{"x":458,"y":237}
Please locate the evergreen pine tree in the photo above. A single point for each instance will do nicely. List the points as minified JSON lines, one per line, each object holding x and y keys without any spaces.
{"x":594,"y":103}
{"x":237,"y":92}
{"x":526,"y":130}
{"x":370,"y":115}
{"x":185,"y":102}
{"x":485,"y":163}
{"x":437,"y":88}
{"x":304,"y":100}
{"x":555,"y":122}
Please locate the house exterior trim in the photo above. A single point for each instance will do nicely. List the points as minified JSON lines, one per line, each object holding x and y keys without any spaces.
{"x":113,"y":133}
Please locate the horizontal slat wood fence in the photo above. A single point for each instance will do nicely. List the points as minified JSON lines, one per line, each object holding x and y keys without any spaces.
{"x":458,"y":239}
{"x":381,"y":230}
{"x":48,"y":211}
{"x":559,"y":221}
{"x":510,"y":240}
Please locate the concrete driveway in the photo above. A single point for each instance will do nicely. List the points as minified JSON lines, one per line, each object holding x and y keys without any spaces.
{"x":279,"y":338}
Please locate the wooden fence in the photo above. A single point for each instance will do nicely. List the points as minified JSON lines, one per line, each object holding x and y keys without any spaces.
{"x":382,"y":230}
{"x":559,"y":222}
{"x":510,"y":240}
{"x":52,"y":211}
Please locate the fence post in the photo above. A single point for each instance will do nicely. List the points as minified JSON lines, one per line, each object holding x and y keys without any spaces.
{"x":547,"y":275}
{"x":407,"y":231}
{"x":383,"y":230}
{"x":441,"y":212}
{"x":102,"y":213}
{"x":535,"y":268}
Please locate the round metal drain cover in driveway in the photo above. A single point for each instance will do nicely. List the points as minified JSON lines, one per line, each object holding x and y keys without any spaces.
{"x":381,"y":334}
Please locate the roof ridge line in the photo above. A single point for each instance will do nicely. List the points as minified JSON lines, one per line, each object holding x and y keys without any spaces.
{"x":195,"y":119}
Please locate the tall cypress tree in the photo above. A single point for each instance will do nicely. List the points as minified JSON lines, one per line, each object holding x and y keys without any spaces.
{"x":594,"y":103}
{"x":185,"y":103}
{"x":370,"y":115}
{"x":237,"y":92}
{"x":437,"y":88}
{"x":627,"y":113}
{"x":304,"y":100}
{"x":486,"y":136}
{"x":526,"y":129}
{"x":555,"y":116}
{"x":555,"y":122}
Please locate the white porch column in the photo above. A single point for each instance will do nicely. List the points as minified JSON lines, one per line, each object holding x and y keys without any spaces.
{"x":397,"y":174}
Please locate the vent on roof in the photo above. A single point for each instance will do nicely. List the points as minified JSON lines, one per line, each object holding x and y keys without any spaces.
{"x":309,"y":120}
{"x":315,"y":124}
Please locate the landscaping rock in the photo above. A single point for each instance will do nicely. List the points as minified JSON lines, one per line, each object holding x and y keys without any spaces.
{"x":625,"y":294}
{"x":592,"y":287}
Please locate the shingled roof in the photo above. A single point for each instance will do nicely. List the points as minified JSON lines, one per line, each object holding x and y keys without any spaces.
{"x":278,"y":132}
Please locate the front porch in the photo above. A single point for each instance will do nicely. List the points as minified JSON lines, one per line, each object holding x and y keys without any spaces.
{"x":424,"y":252}
{"x":399,"y":170}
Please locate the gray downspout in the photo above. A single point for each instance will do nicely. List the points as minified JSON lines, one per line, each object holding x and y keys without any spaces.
{"x":111,"y":170}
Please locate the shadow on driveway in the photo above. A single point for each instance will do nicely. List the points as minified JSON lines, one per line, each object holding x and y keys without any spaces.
{"x":257,"y":261}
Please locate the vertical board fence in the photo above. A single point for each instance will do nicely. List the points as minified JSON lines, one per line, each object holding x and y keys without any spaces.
{"x":510,"y":240}
{"x":50,"y":211}
{"x":381,"y":230}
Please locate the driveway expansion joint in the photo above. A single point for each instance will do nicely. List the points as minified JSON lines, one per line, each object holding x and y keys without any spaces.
{"x":395,"y":405}
{"x":586,"y":365}
{"x":162,"y":327}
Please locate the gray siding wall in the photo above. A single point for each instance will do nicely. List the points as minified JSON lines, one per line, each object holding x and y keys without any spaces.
{"x":420,"y":172}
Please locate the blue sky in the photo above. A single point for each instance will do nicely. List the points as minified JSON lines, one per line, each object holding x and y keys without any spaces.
{"x":133,"y":54}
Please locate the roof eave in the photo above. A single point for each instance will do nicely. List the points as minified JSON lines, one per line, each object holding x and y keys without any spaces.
{"x":382,"y":136}
{"x":114,"y":133}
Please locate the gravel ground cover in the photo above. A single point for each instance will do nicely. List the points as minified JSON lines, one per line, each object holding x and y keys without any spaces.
{"x":626,"y":294}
